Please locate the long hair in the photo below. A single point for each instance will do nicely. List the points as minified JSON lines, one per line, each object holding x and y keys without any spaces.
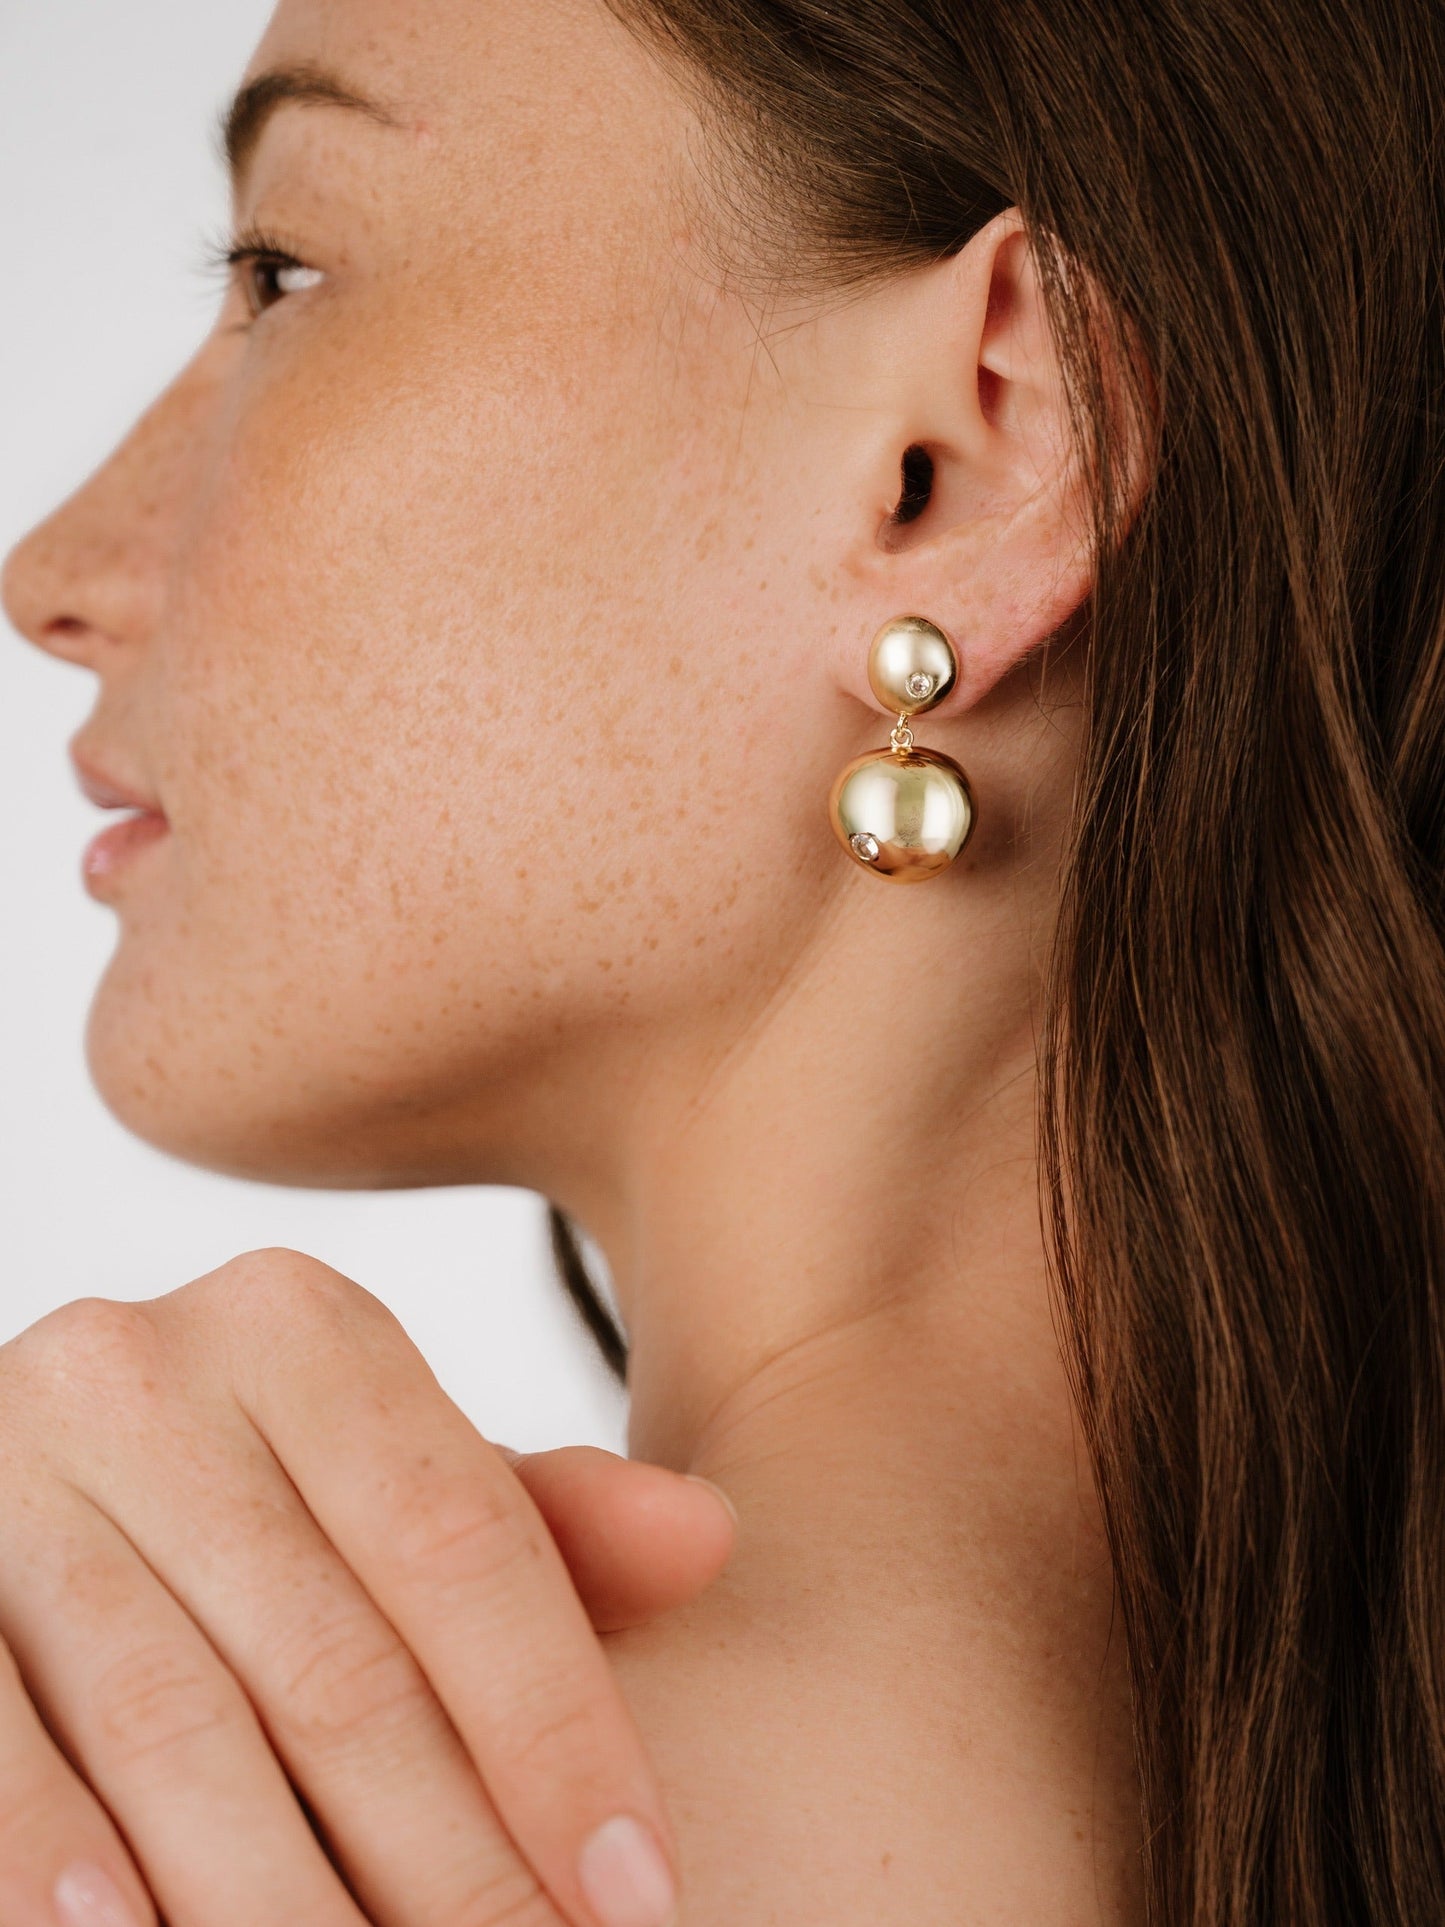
{"x":1244,"y":1059}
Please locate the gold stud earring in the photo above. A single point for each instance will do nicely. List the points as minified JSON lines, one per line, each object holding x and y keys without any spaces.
{"x":905,"y":812}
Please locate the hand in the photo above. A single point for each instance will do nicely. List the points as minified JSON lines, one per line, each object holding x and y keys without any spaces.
{"x":285,"y":1640}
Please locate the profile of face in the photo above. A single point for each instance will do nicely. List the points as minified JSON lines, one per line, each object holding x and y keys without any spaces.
{"x":485,"y":611}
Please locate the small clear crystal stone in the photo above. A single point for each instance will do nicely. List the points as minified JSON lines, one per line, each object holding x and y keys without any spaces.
{"x":919,"y":685}
{"x":865,"y":846}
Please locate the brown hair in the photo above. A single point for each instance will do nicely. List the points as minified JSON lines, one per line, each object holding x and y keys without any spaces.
{"x":1244,"y":1071}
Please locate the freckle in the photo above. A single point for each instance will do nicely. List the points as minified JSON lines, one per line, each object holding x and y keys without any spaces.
{"x":604,"y":963}
{"x":888,"y":1860}
{"x":674,"y":668}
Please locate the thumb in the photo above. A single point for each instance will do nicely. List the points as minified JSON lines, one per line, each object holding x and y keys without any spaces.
{"x":637,"y":1539}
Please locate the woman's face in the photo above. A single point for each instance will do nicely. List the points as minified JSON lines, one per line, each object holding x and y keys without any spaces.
{"x":469,"y":608}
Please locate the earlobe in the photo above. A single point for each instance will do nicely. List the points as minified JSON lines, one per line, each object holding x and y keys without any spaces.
{"x":1008,"y":582}
{"x":1000,"y":582}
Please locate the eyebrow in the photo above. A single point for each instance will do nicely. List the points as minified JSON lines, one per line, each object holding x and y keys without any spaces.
{"x":246,"y":119}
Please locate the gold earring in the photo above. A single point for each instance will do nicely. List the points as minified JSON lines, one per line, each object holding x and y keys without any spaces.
{"x":905,"y":812}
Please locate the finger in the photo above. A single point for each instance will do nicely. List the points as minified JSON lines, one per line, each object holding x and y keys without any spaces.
{"x":449,"y":1545}
{"x":160,"y":1728}
{"x":638,"y":1539}
{"x":61,"y":1859}
{"x":346,"y":1707}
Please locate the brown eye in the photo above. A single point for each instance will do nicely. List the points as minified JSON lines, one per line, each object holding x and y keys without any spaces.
{"x":269,"y":278}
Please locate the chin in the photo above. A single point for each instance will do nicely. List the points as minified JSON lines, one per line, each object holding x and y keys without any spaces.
{"x":161,"y":1077}
{"x":244,"y":1102}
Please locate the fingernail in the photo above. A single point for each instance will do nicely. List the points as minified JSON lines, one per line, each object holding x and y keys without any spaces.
{"x":716,"y":1490}
{"x":86,"y":1897}
{"x":625,"y":1877}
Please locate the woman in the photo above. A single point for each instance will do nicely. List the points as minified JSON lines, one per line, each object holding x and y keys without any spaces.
{"x":482,"y":623}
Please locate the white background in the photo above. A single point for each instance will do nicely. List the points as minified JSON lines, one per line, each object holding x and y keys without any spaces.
{"x":109,"y":186}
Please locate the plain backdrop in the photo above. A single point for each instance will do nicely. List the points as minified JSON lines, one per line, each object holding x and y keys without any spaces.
{"x":109,"y":189}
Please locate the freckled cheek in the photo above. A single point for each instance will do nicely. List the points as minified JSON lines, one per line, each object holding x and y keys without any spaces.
{"x":306,"y":583}
{"x":372,"y":622}
{"x":444,"y":637}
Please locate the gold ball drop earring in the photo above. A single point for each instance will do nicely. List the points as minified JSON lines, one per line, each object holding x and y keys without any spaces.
{"x":905,"y":812}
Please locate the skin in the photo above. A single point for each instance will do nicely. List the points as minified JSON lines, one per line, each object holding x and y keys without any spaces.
{"x":249,"y":1546}
{"x":488,"y":617}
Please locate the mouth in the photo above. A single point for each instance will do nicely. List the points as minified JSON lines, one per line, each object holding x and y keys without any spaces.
{"x":109,"y":856}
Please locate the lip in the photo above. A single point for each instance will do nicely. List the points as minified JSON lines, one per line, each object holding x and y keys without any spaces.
{"x":109,"y":856}
{"x":105,"y":788}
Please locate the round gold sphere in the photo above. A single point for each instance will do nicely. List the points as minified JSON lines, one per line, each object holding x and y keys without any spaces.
{"x":904,"y":814}
{"x":911,"y":666}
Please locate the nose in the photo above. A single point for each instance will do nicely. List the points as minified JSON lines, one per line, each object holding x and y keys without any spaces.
{"x":90,"y":579}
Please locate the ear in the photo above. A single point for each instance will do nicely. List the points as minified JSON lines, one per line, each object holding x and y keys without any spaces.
{"x":991,"y":536}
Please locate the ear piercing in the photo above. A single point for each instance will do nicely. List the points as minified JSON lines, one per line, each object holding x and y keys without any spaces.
{"x":905,"y":812}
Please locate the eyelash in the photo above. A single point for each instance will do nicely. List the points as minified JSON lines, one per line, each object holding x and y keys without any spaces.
{"x":242,"y":257}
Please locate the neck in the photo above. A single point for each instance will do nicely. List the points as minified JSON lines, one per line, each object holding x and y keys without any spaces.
{"x":835,"y":1282}
{"x":793,"y":1239}
{"x":847,"y":1171}
{"x":835,"y":1296}
{"x":829,"y":1254}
